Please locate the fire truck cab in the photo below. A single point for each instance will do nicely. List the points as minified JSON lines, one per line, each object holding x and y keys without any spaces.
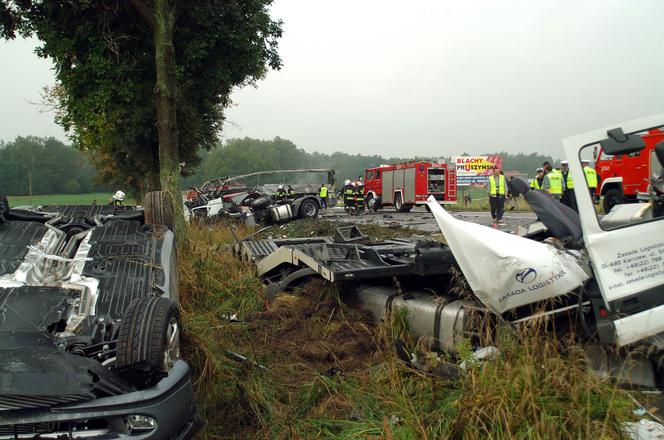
{"x":624,"y":176}
{"x":406,"y":185}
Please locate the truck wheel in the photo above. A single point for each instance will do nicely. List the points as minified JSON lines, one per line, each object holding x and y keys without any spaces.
{"x":371,"y":203}
{"x":612,"y":198}
{"x":149,"y":340}
{"x":398,"y":204}
{"x":309,"y":209}
{"x":159,"y":209}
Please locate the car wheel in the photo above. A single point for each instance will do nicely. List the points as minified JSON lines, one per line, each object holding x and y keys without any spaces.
{"x":159,"y":209}
{"x":309,"y":209}
{"x":612,"y":198}
{"x":398,"y":204}
{"x":4,"y":204}
{"x":149,"y":340}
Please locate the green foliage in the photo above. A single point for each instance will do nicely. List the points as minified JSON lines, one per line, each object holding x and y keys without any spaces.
{"x":247,"y":155}
{"x":103,"y":53}
{"x":54,"y":168}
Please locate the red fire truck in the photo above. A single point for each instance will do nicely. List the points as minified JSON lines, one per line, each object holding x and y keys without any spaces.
{"x":623,"y":176}
{"x":408,"y":184}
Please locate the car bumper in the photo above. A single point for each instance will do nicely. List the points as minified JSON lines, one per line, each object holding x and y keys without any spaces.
{"x":170,"y":403}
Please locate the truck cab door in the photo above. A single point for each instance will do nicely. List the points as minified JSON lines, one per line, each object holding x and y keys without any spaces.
{"x":627,"y":259}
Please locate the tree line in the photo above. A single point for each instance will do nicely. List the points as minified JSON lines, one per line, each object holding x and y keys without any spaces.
{"x":45,"y":166}
{"x":49,"y":166}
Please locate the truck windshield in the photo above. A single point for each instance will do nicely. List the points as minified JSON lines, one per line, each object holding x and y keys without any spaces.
{"x":436,"y":180}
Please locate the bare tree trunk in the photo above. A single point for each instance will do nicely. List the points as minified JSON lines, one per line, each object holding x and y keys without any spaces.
{"x":165,"y":98}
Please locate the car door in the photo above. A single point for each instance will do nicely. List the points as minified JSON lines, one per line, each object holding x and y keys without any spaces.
{"x":627,"y":260}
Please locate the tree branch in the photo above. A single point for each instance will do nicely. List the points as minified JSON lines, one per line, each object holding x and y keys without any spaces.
{"x":144,"y":11}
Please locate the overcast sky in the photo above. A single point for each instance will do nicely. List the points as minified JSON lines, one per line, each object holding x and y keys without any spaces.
{"x":425,"y":77}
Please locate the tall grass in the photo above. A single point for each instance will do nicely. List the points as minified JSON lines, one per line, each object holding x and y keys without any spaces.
{"x":538,"y":388}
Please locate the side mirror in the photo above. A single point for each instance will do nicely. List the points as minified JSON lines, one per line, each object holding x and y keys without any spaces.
{"x":620,"y":143}
{"x":659,"y":152}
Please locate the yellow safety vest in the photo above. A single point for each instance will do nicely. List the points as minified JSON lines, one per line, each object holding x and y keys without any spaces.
{"x":501,"y":185}
{"x":534,"y":184}
{"x":555,"y":182}
{"x":591,"y":176}
{"x":323,"y":192}
{"x":569,"y":184}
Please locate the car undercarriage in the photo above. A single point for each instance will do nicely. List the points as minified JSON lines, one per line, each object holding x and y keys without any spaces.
{"x":89,"y":326}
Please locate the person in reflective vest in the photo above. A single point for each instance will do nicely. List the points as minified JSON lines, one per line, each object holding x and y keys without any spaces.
{"x":322,"y":193}
{"x":348,"y":195}
{"x":291,"y":192}
{"x":568,"y":197}
{"x":281,"y":193}
{"x":591,"y":179}
{"x":553,"y":181}
{"x":359,"y":195}
{"x":497,"y":190}
{"x":536,"y":183}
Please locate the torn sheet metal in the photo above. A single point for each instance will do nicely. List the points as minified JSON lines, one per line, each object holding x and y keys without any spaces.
{"x":506,"y":271}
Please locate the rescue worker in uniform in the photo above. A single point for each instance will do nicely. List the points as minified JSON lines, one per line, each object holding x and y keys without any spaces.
{"x":291,"y":192}
{"x":536,"y":183}
{"x":497,"y":188}
{"x":322,"y":193}
{"x":553,"y":181}
{"x":281,"y":193}
{"x":358,"y":194}
{"x":117,"y":199}
{"x":348,"y":195}
{"x":591,"y":179}
{"x":568,"y":197}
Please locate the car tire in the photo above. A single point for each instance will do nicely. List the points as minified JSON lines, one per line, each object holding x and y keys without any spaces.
{"x":148,"y":341}
{"x":159,"y":209}
{"x":612,"y":198}
{"x":4,"y":204}
{"x":261,"y":202}
{"x":309,"y":209}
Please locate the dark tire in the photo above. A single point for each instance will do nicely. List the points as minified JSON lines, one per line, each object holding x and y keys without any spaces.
{"x":159,"y":209}
{"x":309,"y":209}
{"x":149,"y":340}
{"x":4,"y":204}
{"x":372,"y":203}
{"x":398,"y":204}
{"x":261,"y":203}
{"x":612,"y":198}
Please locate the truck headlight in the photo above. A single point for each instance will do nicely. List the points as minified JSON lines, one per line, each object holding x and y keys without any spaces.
{"x":137,"y":422}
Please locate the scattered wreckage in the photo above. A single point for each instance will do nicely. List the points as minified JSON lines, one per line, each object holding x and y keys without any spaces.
{"x":89,"y":324}
{"x":602,"y":279}
{"x":231,"y":197}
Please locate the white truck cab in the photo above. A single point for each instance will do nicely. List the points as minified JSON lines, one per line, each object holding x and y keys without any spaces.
{"x":627,"y":259}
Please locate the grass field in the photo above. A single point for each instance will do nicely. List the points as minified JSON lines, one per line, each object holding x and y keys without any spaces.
{"x":63,"y":199}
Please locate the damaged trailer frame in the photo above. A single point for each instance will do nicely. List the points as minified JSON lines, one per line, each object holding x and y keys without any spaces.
{"x":557,"y":270}
{"x":226,"y":197}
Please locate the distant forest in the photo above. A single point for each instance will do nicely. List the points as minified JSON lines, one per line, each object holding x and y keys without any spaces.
{"x":52,"y":167}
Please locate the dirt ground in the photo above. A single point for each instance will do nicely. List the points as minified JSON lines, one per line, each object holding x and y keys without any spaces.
{"x":421,"y":220}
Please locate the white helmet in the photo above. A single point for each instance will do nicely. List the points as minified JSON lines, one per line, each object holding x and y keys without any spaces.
{"x":347,"y":182}
{"x":119,"y":196}
{"x":280,"y":187}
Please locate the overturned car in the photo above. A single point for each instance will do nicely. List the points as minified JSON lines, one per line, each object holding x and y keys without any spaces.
{"x":600,"y":278}
{"x":90,"y":325}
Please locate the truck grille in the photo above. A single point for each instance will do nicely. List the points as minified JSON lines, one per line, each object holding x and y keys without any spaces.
{"x":21,"y":402}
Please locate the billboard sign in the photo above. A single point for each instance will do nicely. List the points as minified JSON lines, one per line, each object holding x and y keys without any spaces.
{"x":475,"y":170}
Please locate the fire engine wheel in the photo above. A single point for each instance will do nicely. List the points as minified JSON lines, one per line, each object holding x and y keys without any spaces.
{"x":612,"y":198}
{"x":398,"y":204}
{"x":371,"y":203}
